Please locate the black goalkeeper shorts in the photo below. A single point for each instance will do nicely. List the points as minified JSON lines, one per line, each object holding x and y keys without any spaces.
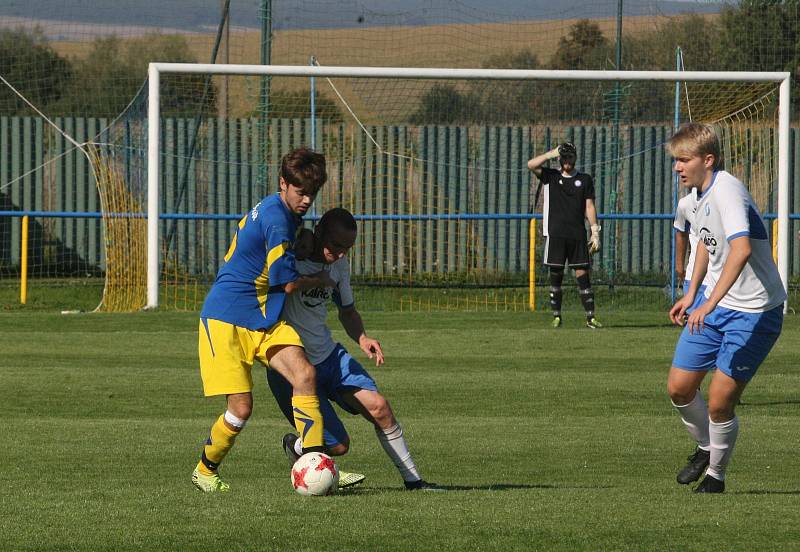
{"x":564,"y":252}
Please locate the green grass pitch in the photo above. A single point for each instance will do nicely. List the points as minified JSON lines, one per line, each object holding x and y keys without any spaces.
{"x":549,"y":439}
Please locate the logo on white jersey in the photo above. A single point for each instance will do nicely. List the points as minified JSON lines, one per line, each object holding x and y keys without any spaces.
{"x":709,"y":240}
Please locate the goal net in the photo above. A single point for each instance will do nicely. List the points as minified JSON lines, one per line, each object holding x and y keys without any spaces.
{"x":433,"y":164}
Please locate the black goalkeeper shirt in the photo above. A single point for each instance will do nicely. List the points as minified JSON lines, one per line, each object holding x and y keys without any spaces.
{"x":565,"y":203}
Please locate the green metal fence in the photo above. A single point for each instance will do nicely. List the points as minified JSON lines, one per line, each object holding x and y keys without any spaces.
{"x":433,"y":170}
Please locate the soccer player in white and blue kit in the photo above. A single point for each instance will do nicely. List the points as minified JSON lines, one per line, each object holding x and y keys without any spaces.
{"x":340,"y":377}
{"x":738,"y":319}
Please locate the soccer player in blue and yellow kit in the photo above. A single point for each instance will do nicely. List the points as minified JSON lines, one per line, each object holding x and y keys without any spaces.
{"x":240,"y":321}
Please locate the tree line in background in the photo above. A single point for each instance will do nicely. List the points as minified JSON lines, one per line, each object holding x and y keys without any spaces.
{"x":754,"y":35}
{"x":102,"y":83}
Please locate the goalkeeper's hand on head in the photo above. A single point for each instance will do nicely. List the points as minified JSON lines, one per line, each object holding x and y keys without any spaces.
{"x":594,"y":239}
{"x":553,"y":153}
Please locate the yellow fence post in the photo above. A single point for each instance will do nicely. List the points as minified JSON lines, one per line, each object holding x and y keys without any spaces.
{"x":23,"y":287}
{"x":775,"y":241}
{"x":532,"y":266}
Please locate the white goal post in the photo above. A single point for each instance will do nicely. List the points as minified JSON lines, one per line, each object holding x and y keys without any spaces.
{"x":157,"y":69}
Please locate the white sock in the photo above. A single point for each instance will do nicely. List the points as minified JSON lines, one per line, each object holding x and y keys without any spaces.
{"x":695,"y":417}
{"x":723,"y":437}
{"x":298,"y":447}
{"x":394,"y":444}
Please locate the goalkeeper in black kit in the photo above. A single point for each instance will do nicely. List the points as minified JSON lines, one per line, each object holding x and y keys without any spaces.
{"x":568,"y":201}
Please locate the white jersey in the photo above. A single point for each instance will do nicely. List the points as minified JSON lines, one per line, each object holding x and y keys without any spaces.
{"x":726,"y":211}
{"x":307,"y":311}
{"x":684,"y":222}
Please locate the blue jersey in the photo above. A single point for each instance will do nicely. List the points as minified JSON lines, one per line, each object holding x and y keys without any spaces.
{"x":248,"y":291}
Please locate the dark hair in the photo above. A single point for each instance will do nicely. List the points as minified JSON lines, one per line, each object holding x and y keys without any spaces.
{"x":567,"y":149}
{"x":305,"y":169}
{"x":337,"y":217}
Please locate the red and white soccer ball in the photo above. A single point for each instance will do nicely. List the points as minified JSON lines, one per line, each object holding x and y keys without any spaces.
{"x":315,"y":474}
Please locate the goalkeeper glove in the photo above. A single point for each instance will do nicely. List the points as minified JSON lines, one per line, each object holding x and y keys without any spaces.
{"x":594,"y":239}
{"x":553,"y":153}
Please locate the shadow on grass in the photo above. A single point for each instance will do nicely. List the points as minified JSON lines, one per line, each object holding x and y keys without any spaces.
{"x":766,"y":492}
{"x":641,"y":325}
{"x":490,"y":487}
{"x":768,"y":403}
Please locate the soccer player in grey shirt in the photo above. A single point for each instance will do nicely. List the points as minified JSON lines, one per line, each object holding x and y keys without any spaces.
{"x":340,"y":377}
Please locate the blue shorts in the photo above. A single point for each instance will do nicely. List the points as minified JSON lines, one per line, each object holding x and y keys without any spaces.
{"x":734,"y":342}
{"x":337,"y":374}
{"x":699,"y":298}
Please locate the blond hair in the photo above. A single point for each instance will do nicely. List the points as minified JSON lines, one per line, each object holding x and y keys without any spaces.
{"x":696,"y":139}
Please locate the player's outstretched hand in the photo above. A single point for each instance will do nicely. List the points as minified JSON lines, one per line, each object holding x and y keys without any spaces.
{"x":677,"y":314}
{"x":594,"y":239}
{"x":372,"y":348}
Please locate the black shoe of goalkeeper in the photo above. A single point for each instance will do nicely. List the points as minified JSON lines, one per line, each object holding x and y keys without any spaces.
{"x":698,"y":462}
{"x":422,"y":485}
{"x":710,"y":485}
{"x":288,"y":448}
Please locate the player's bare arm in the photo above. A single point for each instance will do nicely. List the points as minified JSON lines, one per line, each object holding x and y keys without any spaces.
{"x":320,"y":279}
{"x":591,"y":212}
{"x":354,"y":326}
{"x":737,"y":258}
{"x":536,"y":163}
{"x":681,"y":244}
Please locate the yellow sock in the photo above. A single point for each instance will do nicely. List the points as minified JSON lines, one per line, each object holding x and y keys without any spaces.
{"x":219,"y":443}
{"x":308,"y":421}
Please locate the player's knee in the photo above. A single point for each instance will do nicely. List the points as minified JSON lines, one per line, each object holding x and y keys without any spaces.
{"x":305,"y":379}
{"x":720,"y":411}
{"x":381,"y":413}
{"x":680,"y":395}
{"x":339,"y":449}
{"x":242,"y":411}
{"x":303,"y":374}
{"x":240,"y":405}
{"x":292,"y":364}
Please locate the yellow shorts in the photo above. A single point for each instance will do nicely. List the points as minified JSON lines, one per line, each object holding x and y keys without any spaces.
{"x":227,"y":353}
